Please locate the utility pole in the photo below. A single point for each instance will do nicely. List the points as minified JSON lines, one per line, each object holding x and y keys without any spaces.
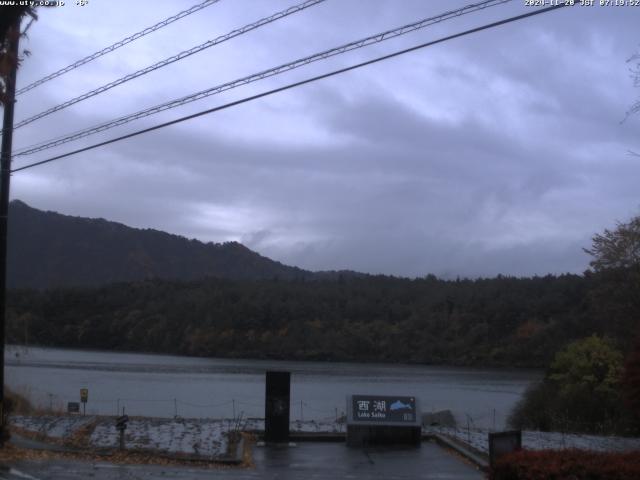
{"x":5,"y":175}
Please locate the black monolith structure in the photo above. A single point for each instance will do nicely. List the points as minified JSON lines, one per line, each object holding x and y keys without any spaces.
{"x":276,"y":409}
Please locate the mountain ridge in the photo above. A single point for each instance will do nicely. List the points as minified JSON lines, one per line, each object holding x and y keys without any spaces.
{"x":48,"y":249}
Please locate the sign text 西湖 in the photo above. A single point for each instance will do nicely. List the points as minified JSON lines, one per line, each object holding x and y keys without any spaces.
{"x":383,"y":408}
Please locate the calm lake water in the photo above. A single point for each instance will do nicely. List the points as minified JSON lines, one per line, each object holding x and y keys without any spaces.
{"x":163,"y":385}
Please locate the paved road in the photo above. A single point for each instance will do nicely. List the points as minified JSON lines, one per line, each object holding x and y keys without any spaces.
{"x":317,"y":461}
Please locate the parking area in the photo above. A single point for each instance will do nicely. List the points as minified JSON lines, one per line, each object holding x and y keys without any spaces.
{"x":302,"y":461}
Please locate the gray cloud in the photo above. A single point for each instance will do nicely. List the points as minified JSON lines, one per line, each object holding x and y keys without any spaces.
{"x":498,"y":153}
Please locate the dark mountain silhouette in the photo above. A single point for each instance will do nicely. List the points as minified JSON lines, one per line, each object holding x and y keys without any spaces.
{"x":47,"y":249}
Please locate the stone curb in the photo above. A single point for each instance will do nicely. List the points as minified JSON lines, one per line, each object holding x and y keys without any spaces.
{"x":460,"y":448}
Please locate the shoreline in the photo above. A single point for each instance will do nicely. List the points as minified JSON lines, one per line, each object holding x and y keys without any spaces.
{"x":487,"y":367}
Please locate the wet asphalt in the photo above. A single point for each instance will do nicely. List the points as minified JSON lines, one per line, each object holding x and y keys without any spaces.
{"x":303,"y":461}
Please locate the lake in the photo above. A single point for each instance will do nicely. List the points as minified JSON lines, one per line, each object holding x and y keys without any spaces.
{"x":165,"y":386}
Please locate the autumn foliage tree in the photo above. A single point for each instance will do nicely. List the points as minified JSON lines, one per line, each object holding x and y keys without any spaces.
{"x":586,"y":383}
{"x":616,"y":265}
{"x":618,"y":248}
{"x":581,"y":391}
{"x":616,"y":260}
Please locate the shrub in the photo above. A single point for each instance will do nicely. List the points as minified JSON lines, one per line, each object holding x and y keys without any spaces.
{"x":16,"y":403}
{"x":532,"y":410}
{"x":580,"y":393}
{"x":567,"y":464}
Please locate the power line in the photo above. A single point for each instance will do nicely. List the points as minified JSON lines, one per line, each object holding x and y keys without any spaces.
{"x":296,"y":84}
{"x":377,"y":38}
{"x":172,"y":59}
{"x":118,"y":44}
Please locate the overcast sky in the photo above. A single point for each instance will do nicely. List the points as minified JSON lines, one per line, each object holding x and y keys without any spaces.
{"x":499,"y":152}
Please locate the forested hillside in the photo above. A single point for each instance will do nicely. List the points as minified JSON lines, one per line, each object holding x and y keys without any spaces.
{"x":500,"y":321}
{"x":146,"y":290}
{"x":47,"y":249}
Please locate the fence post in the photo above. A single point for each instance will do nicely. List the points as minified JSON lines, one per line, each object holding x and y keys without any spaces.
{"x":122,"y":434}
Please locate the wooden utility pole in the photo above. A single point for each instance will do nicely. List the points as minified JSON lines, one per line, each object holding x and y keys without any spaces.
{"x":13,"y":38}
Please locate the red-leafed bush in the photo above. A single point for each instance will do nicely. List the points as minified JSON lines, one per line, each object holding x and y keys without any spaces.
{"x":567,"y":464}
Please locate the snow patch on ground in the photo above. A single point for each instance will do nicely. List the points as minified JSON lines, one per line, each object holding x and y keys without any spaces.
{"x":312,"y":426}
{"x":209,"y":437}
{"x":202,"y":437}
{"x":189,"y":436}
{"x":192,"y":436}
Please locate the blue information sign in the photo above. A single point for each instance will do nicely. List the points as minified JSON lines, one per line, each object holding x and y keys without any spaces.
{"x":375,"y":408}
